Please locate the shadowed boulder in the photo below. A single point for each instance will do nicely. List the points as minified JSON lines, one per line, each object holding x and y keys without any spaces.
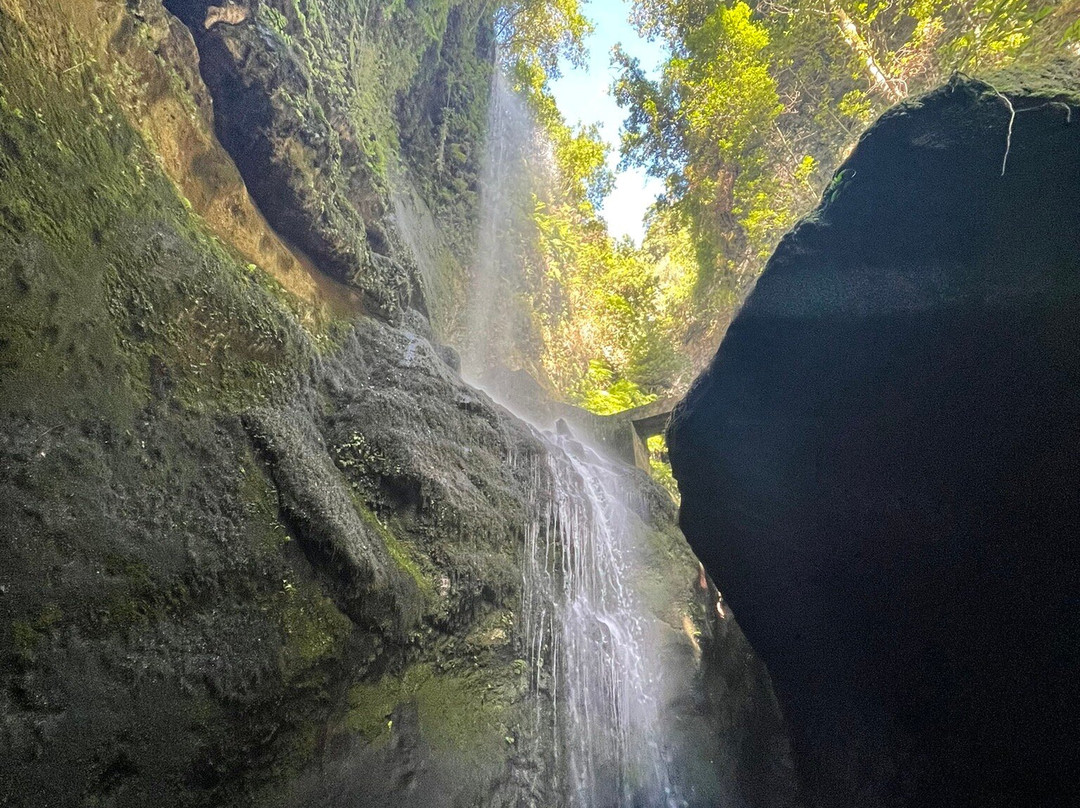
{"x":881,"y":467}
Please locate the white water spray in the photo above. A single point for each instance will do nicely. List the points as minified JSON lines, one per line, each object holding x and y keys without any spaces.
{"x":586,"y":633}
{"x":494,"y":316}
{"x":595,"y":675}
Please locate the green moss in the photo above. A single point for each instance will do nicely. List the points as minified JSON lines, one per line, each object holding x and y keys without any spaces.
{"x":457,"y":714}
{"x":405,"y":562}
{"x":314,"y":630}
{"x":407,"y":558}
{"x":370,"y":708}
{"x":135,"y":572}
{"x":460,"y":715}
{"x":226,"y":340}
{"x":62,"y":180}
{"x":24,"y":640}
{"x":360,"y":61}
{"x":134,"y":597}
{"x":104,"y":271}
{"x":126,"y":609}
{"x":26,"y":634}
{"x":49,"y":617}
{"x":275,"y":19}
{"x":295,"y":754}
{"x":263,"y":528}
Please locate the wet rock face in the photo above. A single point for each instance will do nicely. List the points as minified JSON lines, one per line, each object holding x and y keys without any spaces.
{"x":257,"y":548}
{"x":880,"y":467}
{"x":270,"y":120}
{"x":317,"y":107}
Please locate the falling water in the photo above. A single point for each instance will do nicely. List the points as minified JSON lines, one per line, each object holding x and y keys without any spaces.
{"x":587,"y":637}
{"x":496,"y":322}
{"x":585,"y":632}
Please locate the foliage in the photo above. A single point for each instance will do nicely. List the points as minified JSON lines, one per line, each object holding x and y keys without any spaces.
{"x":602,"y":328}
{"x":759,"y":102}
{"x":660,"y":465}
{"x":601,"y":392}
{"x":755,"y":106}
{"x":605,"y":339}
{"x":540,"y":33}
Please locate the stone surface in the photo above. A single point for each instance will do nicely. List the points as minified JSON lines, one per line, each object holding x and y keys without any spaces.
{"x":880,"y":467}
{"x":306,"y":101}
{"x":258,"y":548}
{"x":238,"y":535}
{"x":230,"y":14}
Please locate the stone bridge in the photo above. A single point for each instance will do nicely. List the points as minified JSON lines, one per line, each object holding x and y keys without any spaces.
{"x":630,"y":429}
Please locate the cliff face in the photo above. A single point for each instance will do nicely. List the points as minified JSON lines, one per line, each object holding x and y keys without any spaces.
{"x":244,"y":529}
{"x":324,"y":107}
{"x":262,"y":545}
{"x":880,"y":466}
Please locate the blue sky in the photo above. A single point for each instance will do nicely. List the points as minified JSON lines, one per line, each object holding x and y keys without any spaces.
{"x":584,"y":95}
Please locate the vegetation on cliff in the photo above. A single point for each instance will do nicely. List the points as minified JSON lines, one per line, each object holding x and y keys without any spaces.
{"x":753,"y":110}
{"x":759,"y":102}
{"x":188,"y":594}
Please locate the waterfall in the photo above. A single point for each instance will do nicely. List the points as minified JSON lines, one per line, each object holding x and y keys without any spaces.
{"x":586,"y":634}
{"x":496,"y":321}
{"x":583,"y":628}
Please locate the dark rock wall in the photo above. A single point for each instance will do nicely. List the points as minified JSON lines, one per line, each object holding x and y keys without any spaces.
{"x":244,"y":532}
{"x":880,"y":468}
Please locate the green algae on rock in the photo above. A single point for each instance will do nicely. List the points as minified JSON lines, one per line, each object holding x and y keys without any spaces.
{"x":258,"y":547}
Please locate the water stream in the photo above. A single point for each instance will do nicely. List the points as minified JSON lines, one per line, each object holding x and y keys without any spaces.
{"x":595,"y":675}
{"x":496,"y":320}
{"x":586,"y":634}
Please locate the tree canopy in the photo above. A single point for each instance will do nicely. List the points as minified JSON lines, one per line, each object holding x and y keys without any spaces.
{"x":753,"y":109}
{"x":601,"y":328}
{"x":758,"y":102}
